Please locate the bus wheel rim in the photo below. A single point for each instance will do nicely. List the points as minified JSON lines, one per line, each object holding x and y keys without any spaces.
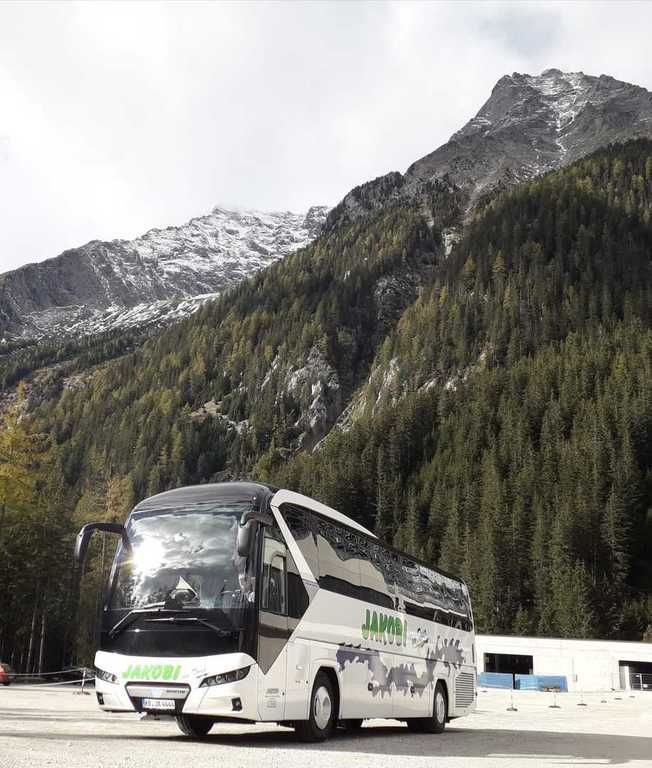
{"x":322,"y":707}
{"x":440,"y":707}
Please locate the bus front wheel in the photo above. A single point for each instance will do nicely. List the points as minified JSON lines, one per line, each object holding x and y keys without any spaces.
{"x":196,"y":726}
{"x":323,"y":715}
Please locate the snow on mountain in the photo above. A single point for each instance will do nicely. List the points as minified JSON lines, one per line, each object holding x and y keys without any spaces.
{"x":535,"y":123}
{"x":530,"y":124}
{"x":159,"y":277}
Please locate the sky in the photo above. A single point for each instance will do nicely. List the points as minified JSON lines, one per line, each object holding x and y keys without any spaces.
{"x":119,"y":117}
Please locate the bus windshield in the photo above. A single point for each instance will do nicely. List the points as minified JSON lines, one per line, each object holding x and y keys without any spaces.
{"x":183,"y":559}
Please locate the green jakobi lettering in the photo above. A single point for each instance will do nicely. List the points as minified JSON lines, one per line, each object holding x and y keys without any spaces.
{"x":398,"y":631}
{"x":373,"y":629}
{"x":152,"y":672}
{"x":384,"y":628}
{"x":365,"y":626}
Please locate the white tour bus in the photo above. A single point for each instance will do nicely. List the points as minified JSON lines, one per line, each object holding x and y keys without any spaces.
{"x":241,"y":602}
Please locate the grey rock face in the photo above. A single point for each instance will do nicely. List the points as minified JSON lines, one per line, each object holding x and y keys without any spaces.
{"x":533,"y":124}
{"x":530,"y":124}
{"x":158,"y":277}
{"x":314,"y":392}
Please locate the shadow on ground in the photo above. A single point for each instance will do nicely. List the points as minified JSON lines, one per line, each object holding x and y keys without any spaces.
{"x":395,"y":740}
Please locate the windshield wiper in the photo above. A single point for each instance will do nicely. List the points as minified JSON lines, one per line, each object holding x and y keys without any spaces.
{"x":191,"y":620}
{"x":130,"y":617}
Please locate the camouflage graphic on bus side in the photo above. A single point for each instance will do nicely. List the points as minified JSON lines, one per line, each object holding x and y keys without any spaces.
{"x":389,"y":630}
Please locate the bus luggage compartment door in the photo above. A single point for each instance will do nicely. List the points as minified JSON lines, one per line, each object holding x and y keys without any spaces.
{"x":366,"y":682}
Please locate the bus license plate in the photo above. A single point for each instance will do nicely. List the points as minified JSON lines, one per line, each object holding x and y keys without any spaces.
{"x":158,"y":704}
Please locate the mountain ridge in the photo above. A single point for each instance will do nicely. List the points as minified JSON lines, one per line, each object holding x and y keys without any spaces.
{"x":529,"y":125}
{"x":103,"y":285}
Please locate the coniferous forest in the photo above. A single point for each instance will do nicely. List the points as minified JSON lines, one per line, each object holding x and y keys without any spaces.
{"x":489,"y":409}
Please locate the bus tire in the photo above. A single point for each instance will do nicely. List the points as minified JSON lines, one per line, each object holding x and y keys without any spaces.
{"x":322,"y":716}
{"x":437,"y":722}
{"x":196,"y":726}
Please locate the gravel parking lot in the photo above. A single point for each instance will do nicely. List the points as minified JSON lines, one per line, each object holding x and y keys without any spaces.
{"x":56,"y":727}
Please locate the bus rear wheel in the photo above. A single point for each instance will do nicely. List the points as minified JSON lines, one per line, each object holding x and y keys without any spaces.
{"x":196,"y":726}
{"x":323,"y":715}
{"x":437,"y":722}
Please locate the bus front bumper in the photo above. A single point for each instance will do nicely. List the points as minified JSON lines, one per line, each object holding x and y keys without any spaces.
{"x":173,"y":686}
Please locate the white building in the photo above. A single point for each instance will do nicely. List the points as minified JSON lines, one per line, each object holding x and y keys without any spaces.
{"x":588,"y":665}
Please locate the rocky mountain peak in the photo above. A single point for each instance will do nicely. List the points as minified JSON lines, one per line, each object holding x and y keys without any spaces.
{"x":535,"y":123}
{"x":530,"y":124}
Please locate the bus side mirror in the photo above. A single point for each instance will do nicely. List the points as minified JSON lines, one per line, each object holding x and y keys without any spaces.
{"x":243,"y":543}
{"x":247,"y":528}
{"x":84,"y":538}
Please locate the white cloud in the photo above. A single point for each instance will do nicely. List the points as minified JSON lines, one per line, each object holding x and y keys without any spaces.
{"x":115,"y":118}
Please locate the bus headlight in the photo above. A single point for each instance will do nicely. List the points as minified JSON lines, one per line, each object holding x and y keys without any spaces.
{"x":107,"y":677}
{"x":225,"y":677}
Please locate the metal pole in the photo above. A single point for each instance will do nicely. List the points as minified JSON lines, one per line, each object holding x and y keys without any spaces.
{"x":81,"y":692}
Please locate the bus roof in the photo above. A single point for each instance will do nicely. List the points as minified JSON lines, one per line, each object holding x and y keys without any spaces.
{"x":243,"y":491}
{"x":196,"y":494}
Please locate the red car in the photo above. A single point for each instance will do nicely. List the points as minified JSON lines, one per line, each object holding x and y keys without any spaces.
{"x":6,"y":674}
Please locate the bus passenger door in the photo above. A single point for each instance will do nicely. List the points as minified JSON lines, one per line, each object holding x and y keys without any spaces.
{"x":273,"y":630}
{"x":299,"y":684}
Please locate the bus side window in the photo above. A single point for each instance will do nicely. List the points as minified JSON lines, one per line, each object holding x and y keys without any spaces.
{"x":274,"y":597}
{"x":302,"y":527}
{"x":300,"y":523}
{"x":407,"y":580}
{"x":376,"y":574}
{"x":339,"y":563}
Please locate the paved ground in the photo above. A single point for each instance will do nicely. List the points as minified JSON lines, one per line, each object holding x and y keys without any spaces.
{"x":55,"y":727}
